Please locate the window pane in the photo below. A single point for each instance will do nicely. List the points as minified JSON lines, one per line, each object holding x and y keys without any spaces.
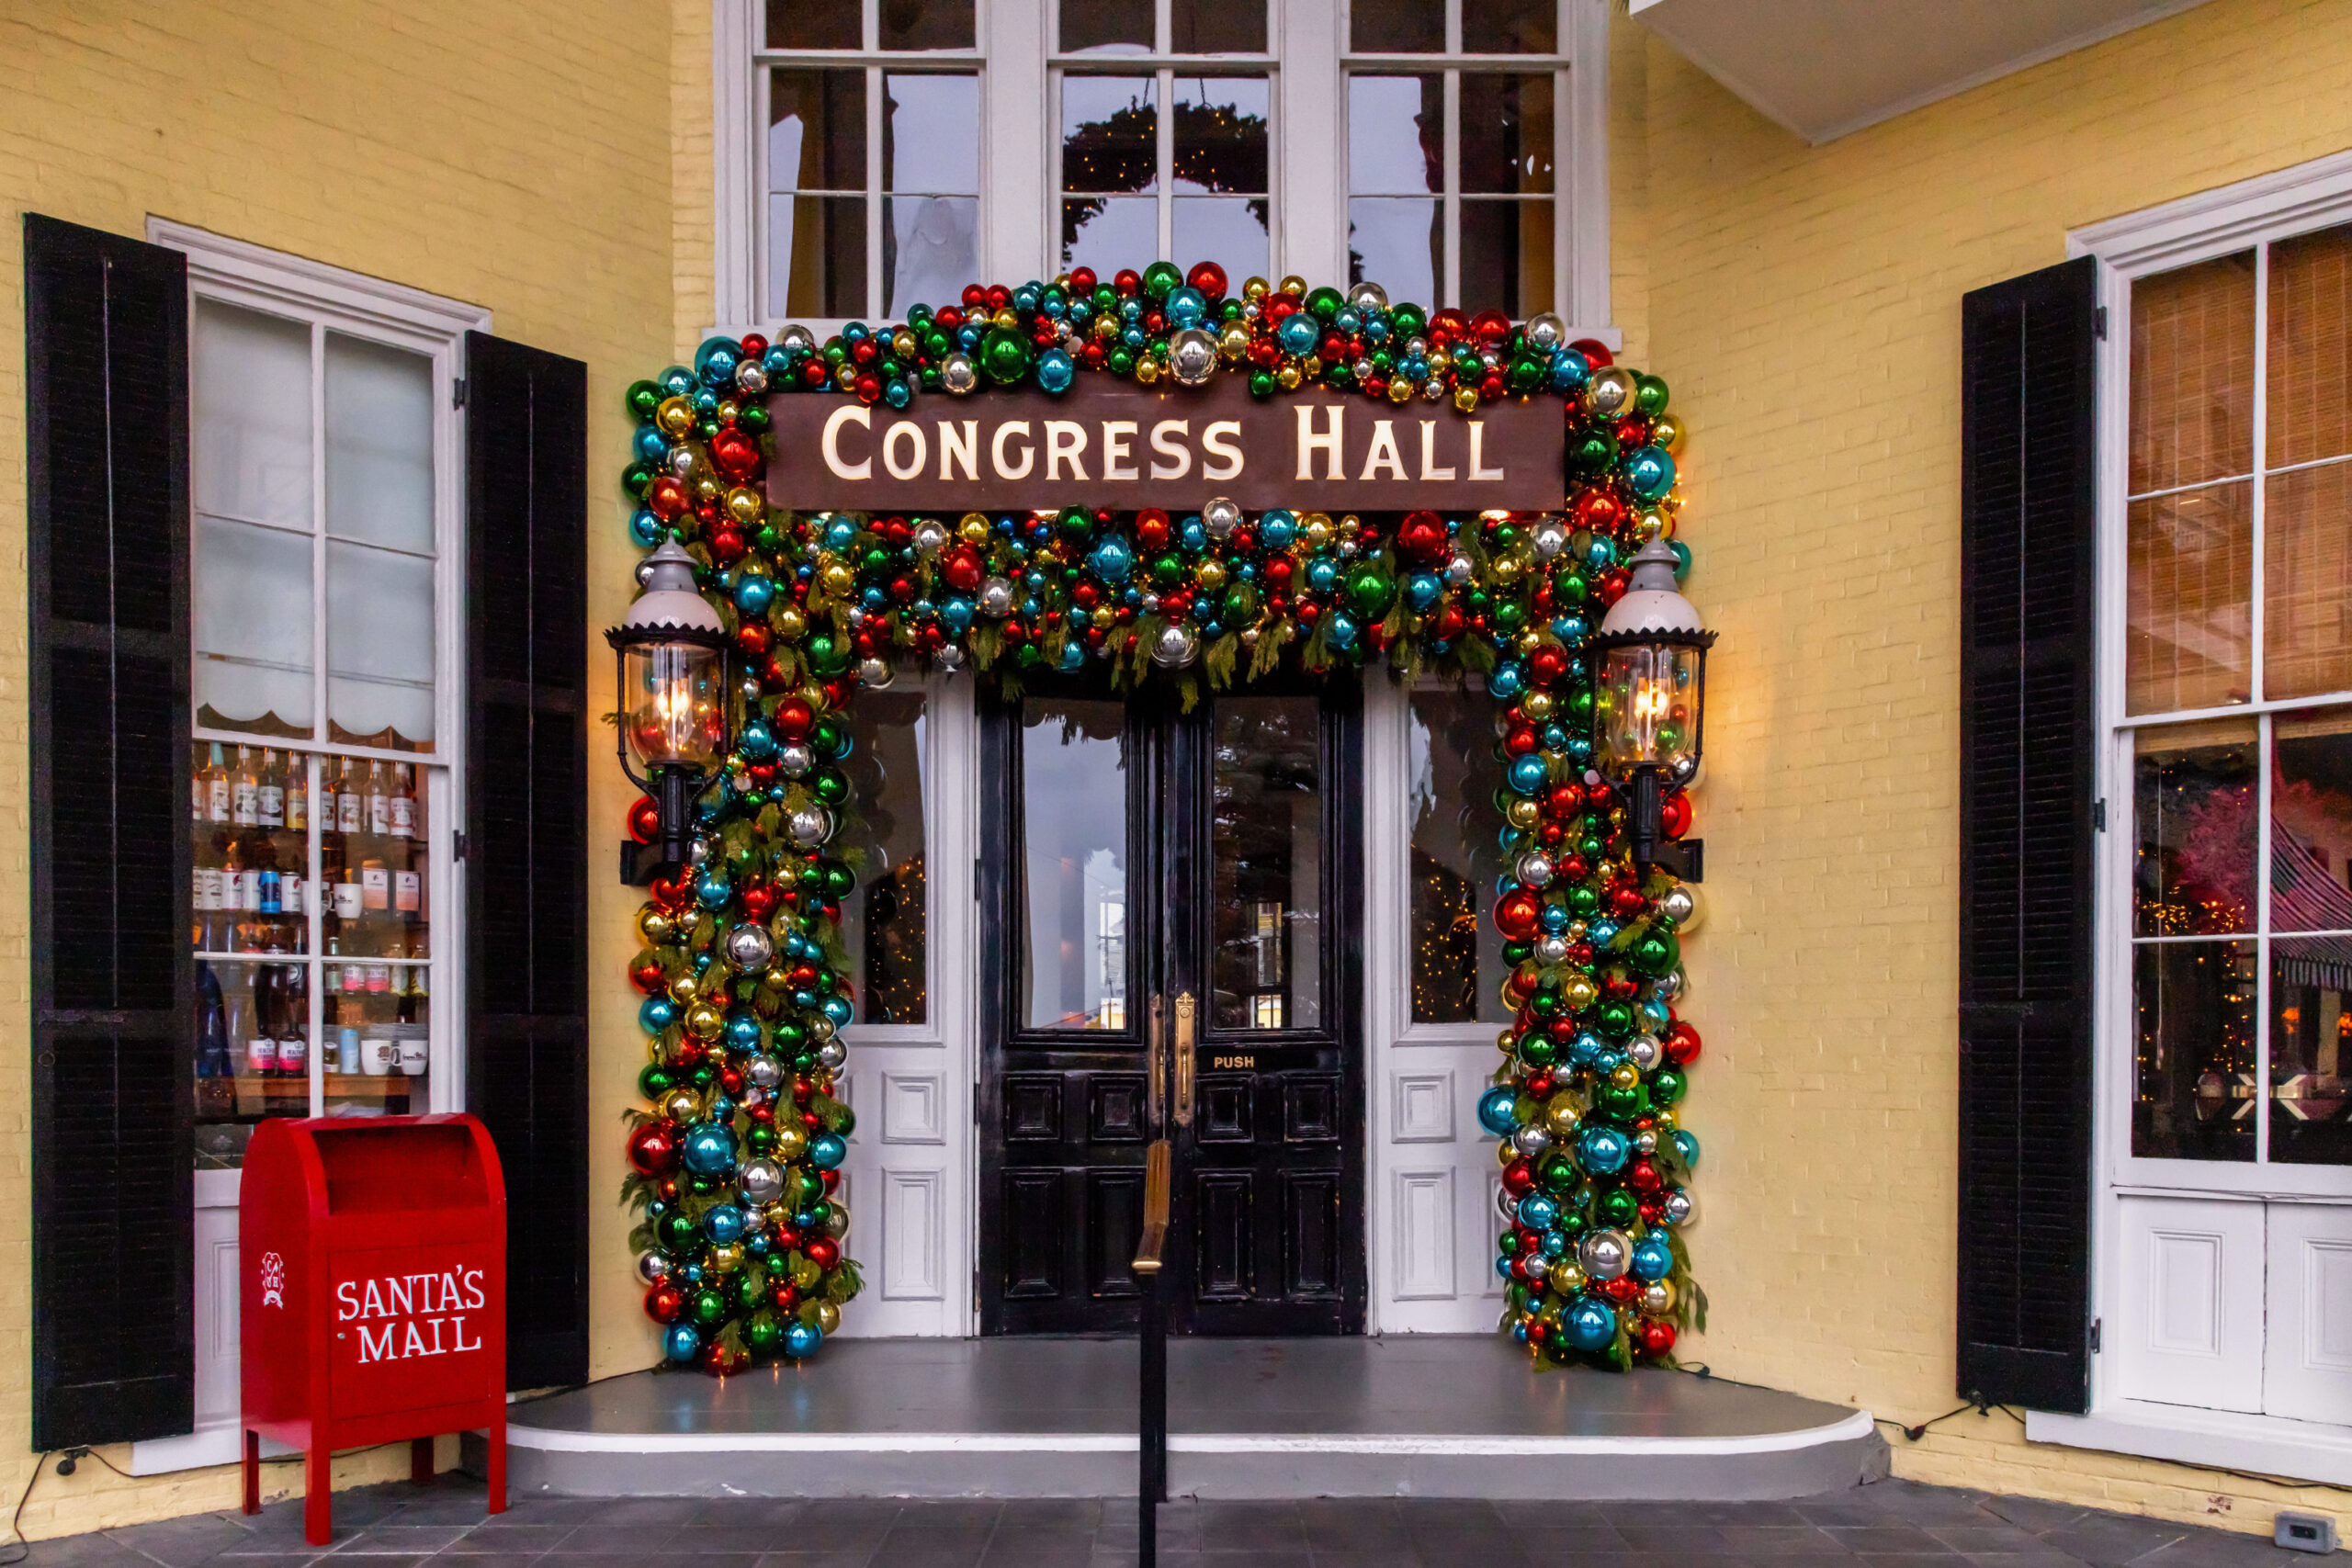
{"x":816,"y":256}
{"x":1509,"y":27}
{"x":1220,"y":134}
{"x":2311,"y":1052}
{"x":1107,"y":27}
{"x":930,"y":248}
{"x":1396,"y":138}
{"x":930,"y":134}
{"x":2189,"y":619}
{"x":2193,"y":800}
{"x":1229,"y":231}
{"x":1217,"y":27}
{"x":885,"y":921}
{"x":815,"y":24}
{"x":2307,"y":581}
{"x":816,"y":131}
{"x":1107,"y":233}
{"x":1396,"y":243}
{"x":250,"y":1018}
{"x":2192,"y":374}
{"x":377,"y":909}
{"x":1110,"y":136}
{"x":927,"y":24}
{"x":1396,"y":26}
{"x":380,"y":444}
{"x":251,"y":376}
{"x":253,"y":614}
{"x":1074,"y":874}
{"x":2309,"y":412}
{"x":1266,"y":849}
{"x":249,"y":841}
{"x":2311,"y":821}
{"x":380,"y":648}
{"x":1506,"y":134}
{"x":1458,"y":968}
{"x":2195,"y":1004}
{"x":1506,"y":256}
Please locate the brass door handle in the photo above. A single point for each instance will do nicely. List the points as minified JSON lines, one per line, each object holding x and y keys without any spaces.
{"x":1185,"y":1059}
{"x":1156,"y":1070}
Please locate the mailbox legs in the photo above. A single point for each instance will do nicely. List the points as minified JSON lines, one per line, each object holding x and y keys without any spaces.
{"x":498,"y":1465}
{"x":252,"y":1472}
{"x":318,"y":1493}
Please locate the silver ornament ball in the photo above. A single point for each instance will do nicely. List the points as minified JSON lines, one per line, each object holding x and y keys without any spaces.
{"x":1610,"y":393}
{"x":794,"y":760}
{"x":796,"y":339}
{"x":1537,"y":1266}
{"x":931,"y":535}
{"x":1552,"y":948}
{"x":1534,"y":869}
{"x":652,"y":1264}
{"x":950,"y":656}
{"x":1191,"y":357}
{"x":1604,"y":1255}
{"x":1670,"y":987}
{"x":1645,"y":1141}
{"x":1175,"y":647}
{"x":764,"y":1072}
{"x":1368,"y":295}
{"x":1547,"y":331}
{"x":1658,"y":1298}
{"x":876,"y":674}
{"x":1548,"y":539}
{"x":1220,"y":517}
{"x":958,"y":375}
{"x":832,"y":1056}
{"x":749,"y":946}
{"x":1531,"y":1141}
{"x":810,"y":827}
{"x":752,"y":378}
{"x":759,"y":1181}
{"x":1680,"y":904}
{"x":996,"y":598}
{"x":1680,"y":1207}
{"x":1645,"y":1052}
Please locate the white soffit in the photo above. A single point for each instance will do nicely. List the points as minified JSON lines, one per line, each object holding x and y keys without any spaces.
{"x":1823,"y":67}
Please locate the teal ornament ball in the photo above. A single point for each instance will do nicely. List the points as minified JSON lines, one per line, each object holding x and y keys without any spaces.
{"x":1590,"y":1324}
{"x":826,"y":1151}
{"x":680,"y":1342}
{"x":802,"y":1338}
{"x":1652,"y":1258}
{"x":1495,"y":1109}
{"x":709,"y":1150}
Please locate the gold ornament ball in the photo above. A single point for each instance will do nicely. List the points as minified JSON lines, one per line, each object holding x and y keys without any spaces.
{"x":1536,"y":705}
{"x":745,"y":505}
{"x":1146,"y":372}
{"x":1625,"y":1074}
{"x":653,"y":925}
{"x":1292,"y":284}
{"x":791,"y":1143}
{"x":1523,"y":812}
{"x":1211,"y":575}
{"x":1466,"y":398}
{"x":973,"y":528}
{"x":1287,"y":377}
{"x":681,"y":1105}
{"x":789,"y":624}
{"x":704,"y":1022}
{"x":1567,"y":1278}
{"x":1400,"y":391}
{"x":1257,"y":289}
{"x":1315,"y":529}
{"x":726,"y":1258}
{"x":1561,"y":1116}
{"x":1668,"y":431}
{"x":676,"y":416}
{"x":685,"y":988}
{"x":837,"y":578}
{"x":1233,"y":340}
{"x":828,"y":1316}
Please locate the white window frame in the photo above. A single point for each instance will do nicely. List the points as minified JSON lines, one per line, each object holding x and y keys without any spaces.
{"x":1580,"y":154}
{"x":1164,"y":66}
{"x":1020,"y":152}
{"x":329,"y":299}
{"x":2312,"y":195}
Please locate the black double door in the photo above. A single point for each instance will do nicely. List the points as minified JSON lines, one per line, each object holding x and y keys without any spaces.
{"x":1172,"y":907}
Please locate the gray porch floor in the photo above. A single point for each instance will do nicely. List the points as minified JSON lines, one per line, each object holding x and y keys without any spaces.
{"x":1402,"y":1416}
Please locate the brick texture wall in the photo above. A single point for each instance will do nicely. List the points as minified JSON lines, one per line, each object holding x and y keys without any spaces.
{"x":1805,"y":304}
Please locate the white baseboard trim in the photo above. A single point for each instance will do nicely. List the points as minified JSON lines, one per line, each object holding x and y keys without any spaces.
{"x":200,"y":1450}
{"x":2274,"y":1445}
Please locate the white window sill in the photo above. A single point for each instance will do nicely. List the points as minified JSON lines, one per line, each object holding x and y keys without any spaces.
{"x":2275,"y":1445}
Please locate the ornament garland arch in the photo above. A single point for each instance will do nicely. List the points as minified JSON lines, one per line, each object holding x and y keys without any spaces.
{"x":734,"y":1161}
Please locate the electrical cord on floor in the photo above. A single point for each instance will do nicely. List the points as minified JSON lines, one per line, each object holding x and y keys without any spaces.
{"x":23,"y":1548}
{"x":537,"y":1394}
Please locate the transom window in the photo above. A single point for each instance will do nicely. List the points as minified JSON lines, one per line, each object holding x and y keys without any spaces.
{"x":1165,"y":126}
{"x":2237,"y":703}
{"x":871,"y":158}
{"x":1455,"y":140}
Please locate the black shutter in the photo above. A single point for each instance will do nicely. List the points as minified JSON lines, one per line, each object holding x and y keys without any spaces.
{"x":2027,"y":783}
{"x":526,"y":831}
{"x":113,"y":978}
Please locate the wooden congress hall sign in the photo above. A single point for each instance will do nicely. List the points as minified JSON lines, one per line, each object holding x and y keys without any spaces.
{"x":1114,"y":444}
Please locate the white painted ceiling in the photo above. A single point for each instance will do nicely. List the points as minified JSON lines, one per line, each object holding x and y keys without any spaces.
{"x":1823,"y":67}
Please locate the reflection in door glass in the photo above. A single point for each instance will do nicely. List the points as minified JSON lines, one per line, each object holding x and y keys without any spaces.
{"x":885,"y":918}
{"x":1458,"y":966}
{"x":1266,"y":863}
{"x":1074,"y":874}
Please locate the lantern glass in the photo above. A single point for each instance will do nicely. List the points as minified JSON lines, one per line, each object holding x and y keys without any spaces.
{"x":676,"y":702}
{"x":1647,"y":708}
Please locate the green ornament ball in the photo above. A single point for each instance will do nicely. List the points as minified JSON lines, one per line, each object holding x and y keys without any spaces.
{"x":1004,"y":356}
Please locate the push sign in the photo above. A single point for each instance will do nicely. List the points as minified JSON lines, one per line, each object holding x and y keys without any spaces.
{"x":374,"y":1292}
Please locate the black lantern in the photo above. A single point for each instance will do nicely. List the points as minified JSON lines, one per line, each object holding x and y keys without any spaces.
{"x":671,"y":650}
{"x":1649,"y":676}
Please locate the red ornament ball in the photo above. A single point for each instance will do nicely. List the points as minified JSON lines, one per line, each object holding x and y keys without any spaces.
{"x":1207,"y":277}
{"x":665,"y":1304}
{"x":653,"y":1149}
{"x":645,"y":819}
{"x":1655,"y":1339}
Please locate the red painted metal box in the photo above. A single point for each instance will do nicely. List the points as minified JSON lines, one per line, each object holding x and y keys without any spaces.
{"x":374,"y":1294}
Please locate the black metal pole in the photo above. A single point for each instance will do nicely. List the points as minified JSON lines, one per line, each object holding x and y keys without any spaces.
{"x":1153,"y":1482}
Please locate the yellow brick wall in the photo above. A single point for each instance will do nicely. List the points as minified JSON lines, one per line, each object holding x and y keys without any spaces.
{"x":512,"y":155}
{"x":1804,"y":303}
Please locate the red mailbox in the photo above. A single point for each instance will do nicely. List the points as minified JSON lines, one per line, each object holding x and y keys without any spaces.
{"x":374,"y":1299}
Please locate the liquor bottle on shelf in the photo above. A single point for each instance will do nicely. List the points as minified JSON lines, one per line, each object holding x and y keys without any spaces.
{"x":196,"y":792}
{"x":403,"y":811}
{"x":205,"y":899}
{"x":339,"y":874}
{"x":273,"y":791}
{"x":297,"y":792}
{"x":216,"y":787}
{"x":247,"y":1027}
{"x":245,"y":793}
{"x":213,"y":1057}
{"x":379,"y":803}
{"x":294,"y":1022}
{"x":349,"y":809}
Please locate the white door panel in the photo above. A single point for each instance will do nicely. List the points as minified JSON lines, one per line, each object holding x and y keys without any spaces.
{"x":2307,"y":1359}
{"x":2191,"y":1311}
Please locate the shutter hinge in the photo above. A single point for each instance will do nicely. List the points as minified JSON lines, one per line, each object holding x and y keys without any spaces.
{"x":2098,"y":815}
{"x":2098,"y":322}
{"x":458,"y":846}
{"x":2095,"y":1323}
{"x":458,"y":387}
{"x":976,"y":879}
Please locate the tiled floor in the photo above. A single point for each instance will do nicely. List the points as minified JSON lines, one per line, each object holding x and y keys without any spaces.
{"x":1891,"y":1525}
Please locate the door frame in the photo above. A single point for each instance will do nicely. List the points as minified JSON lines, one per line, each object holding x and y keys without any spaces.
{"x":1177,"y":777}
